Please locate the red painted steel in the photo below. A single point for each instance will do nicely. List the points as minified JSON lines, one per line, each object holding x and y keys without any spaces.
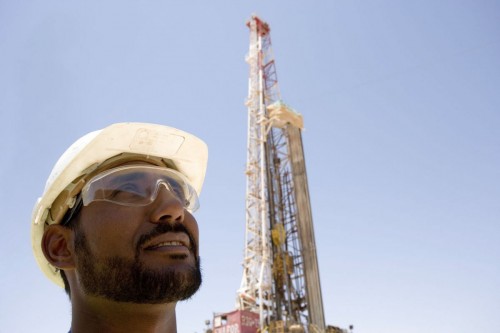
{"x":239,"y":321}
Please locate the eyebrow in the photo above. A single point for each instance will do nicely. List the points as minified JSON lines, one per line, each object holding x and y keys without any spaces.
{"x":138,"y":176}
{"x":133,"y":176}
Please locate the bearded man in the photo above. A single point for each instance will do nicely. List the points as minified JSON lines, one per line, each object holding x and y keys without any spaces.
{"x":114,"y":226}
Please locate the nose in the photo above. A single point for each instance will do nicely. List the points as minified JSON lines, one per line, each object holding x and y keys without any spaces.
{"x":166,"y":207}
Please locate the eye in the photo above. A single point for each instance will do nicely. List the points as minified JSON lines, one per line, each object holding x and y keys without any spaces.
{"x":176,"y":188}
{"x":125,"y":192}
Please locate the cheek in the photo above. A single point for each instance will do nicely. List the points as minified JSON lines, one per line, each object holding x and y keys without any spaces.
{"x":192,"y":226}
{"x":109,"y":230}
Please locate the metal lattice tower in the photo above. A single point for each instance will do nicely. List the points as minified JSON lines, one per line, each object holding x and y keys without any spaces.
{"x":280,"y":270}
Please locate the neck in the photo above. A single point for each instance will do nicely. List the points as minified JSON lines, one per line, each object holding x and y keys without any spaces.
{"x":94,"y":314}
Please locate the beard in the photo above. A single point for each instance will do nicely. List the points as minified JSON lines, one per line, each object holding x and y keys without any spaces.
{"x":127,"y":280}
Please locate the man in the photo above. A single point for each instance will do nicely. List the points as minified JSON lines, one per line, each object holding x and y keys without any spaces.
{"x":115,"y":228}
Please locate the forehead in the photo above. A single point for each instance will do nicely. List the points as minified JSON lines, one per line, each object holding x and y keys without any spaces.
{"x":127,"y":163}
{"x":135,"y":171}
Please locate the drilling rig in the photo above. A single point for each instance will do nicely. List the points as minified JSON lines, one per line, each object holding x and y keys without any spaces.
{"x":280,"y":289}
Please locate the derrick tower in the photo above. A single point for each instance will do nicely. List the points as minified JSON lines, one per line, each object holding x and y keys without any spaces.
{"x":280,"y":268}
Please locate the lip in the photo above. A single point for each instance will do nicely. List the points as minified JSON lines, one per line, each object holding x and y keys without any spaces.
{"x":170,"y":241}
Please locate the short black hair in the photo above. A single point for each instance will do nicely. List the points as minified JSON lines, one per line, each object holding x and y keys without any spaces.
{"x":69,"y":221}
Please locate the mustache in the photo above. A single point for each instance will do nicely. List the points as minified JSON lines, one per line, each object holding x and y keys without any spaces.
{"x":163,"y":228}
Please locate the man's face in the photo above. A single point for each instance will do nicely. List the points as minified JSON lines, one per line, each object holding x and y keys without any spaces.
{"x":145,"y":254}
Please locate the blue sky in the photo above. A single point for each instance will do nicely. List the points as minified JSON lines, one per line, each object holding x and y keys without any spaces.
{"x":402,"y":115}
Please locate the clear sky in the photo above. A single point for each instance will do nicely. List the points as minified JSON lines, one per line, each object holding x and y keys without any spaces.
{"x":401,"y":106}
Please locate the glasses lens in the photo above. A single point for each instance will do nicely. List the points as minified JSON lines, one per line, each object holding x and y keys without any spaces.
{"x":138,"y":186}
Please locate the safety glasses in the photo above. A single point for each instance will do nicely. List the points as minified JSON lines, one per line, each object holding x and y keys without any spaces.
{"x":138,"y":185}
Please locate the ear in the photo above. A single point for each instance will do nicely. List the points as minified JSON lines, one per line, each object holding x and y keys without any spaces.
{"x":57,"y":246}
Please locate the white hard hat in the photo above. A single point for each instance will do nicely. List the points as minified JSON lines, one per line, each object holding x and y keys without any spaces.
{"x":110,"y":146}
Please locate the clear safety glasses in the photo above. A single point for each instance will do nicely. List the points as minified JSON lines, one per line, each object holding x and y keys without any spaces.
{"x":138,"y":185}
